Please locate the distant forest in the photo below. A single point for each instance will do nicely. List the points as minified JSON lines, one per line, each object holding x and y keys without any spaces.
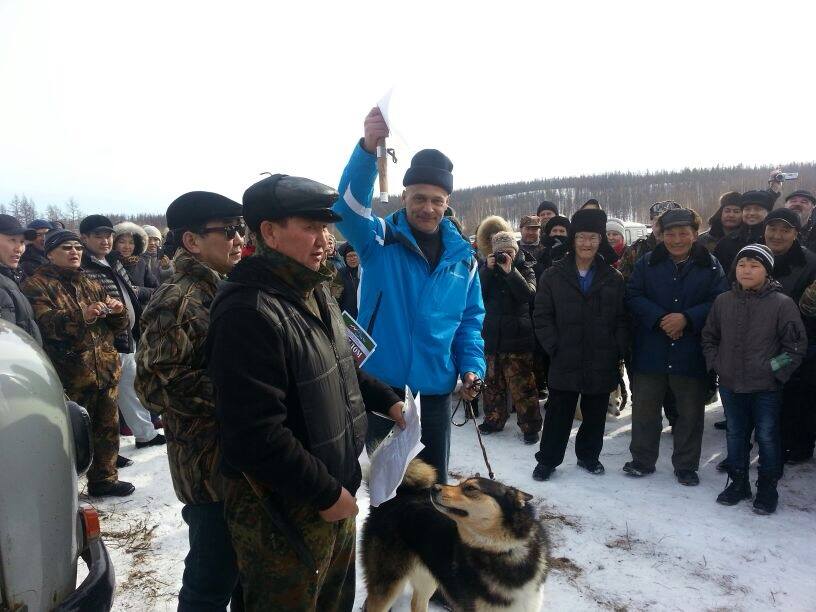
{"x":622,"y":194}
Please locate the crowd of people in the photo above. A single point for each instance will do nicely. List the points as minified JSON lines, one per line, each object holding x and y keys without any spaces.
{"x":228,"y":335}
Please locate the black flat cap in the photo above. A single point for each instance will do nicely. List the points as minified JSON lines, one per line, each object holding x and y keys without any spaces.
{"x":786,"y":215}
{"x":802,"y":193}
{"x":280,"y":196}
{"x":196,"y":208}
{"x":92,"y":223}
{"x":677,"y":217}
{"x":10,"y":226}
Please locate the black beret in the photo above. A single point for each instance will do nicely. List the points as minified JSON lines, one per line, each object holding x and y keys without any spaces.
{"x":762,"y":198}
{"x":430,"y":167}
{"x":92,"y":223}
{"x":280,"y":196}
{"x":787,"y":215}
{"x":196,"y":208}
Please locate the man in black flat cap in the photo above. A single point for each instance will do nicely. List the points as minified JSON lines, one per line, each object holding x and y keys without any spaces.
{"x":172,"y":380}
{"x":14,"y":306}
{"x":290,"y":405}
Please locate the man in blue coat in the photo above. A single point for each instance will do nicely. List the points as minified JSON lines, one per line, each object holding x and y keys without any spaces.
{"x":419,"y":294}
{"x":669,"y":295}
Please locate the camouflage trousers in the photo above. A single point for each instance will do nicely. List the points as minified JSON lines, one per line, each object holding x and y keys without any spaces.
{"x":511,"y":373}
{"x":271,"y":574}
{"x":104,"y":412}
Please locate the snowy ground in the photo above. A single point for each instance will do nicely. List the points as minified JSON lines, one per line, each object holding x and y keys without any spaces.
{"x":618,"y":543}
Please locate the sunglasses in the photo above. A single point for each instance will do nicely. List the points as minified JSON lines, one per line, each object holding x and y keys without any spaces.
{"x":72,"y":247}
{"x":229,"y":231}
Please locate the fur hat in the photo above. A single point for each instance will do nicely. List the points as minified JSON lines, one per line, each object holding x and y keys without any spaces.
{"x":486,"y":230}
{"x":504,"y":240}
{"x":588,"y":220}
{"x":758,"y":197}
{"x":139,"y":235}
{"x":153,"y":232}
{"x":556,"y":220}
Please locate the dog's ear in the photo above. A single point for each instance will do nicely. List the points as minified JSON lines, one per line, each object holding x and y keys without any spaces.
{"x":520,"y":497}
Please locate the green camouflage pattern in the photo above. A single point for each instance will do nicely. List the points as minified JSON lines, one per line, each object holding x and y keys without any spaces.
{"x":83,"y":354}
{"x":271,"y":575}
{"x":807,"y":303}
{"x":633,"y":252}
{"x":172,"y":380}
{"x":104,"y":413}
{"x":511,"y":373}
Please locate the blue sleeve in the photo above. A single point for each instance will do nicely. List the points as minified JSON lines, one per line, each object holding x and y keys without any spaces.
{"x":644,"y":311}
{"x":359,"y":226}
{"x":468,"y":344}
{"x":717,"y":285}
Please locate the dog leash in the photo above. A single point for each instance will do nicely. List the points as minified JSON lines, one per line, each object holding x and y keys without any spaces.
{"x":478,"y":384}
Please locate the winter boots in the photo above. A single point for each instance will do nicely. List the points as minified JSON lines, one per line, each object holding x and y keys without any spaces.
{"x":738,"y":489}
{"x":767,"y":497}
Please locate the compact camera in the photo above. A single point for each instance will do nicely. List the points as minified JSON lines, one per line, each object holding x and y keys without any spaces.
{"x":104,"y":310}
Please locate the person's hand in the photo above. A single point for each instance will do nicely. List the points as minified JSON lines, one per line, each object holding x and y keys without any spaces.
{"x":506,"y":264}
{"x":93,"y":311}
{"x":773,"y":183}
{"x":468,"y":391}
{"x":673,"y":325}
{"x":345,"y":507}
{"x":395,"y":412}
{"x":164,"y":262}
{"x":374,"y":129}
{"x":115,"y":305}
{"x":491,"y":261}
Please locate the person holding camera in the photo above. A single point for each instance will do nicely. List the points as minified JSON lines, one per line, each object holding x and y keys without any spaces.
{"x":581,"y":322}
{"x":508,"y":285}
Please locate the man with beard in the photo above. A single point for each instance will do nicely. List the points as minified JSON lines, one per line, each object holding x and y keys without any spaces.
{"x":803,"y":203}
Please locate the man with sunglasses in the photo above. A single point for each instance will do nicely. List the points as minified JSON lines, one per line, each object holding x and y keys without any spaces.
{"x":172,"y":380}
{"x":78,"y":321}
{"x":97,"y":237}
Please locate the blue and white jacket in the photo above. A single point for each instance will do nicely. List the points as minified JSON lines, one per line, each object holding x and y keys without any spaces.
{"x":427,"y":325}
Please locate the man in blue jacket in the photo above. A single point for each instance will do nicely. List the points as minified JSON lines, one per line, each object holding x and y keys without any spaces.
{"x":669,"y":295}
{"x":419,"y":294}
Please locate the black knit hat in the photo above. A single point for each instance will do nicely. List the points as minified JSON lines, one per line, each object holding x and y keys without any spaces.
{"x":92,"y":223}
{"x":556,"y":220}
{"x":758,"y":197}
{"x":588,"y":220}
{"x":547,"y":205}
{"x":196,"y":208}
{"x":58,"y":237}
{"x":430,"y":167}
{"x":802,"y":193}
{"x":760,"y":253}
{"x":786,"y":215}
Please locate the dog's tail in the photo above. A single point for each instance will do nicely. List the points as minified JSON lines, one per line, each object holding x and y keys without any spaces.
{"x":418,"y":476}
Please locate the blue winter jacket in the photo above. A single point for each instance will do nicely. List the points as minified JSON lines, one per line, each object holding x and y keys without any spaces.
{"x":656,"y":289}
{"x":427,"y":325}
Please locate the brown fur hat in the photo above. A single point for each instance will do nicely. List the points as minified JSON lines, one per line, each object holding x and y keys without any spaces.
{"x":487,"y":228}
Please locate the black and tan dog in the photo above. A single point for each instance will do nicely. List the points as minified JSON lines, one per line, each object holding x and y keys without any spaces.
{"x":479,"y":542}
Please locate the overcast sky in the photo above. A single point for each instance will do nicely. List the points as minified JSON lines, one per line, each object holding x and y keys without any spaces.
{"x":126,"y":105}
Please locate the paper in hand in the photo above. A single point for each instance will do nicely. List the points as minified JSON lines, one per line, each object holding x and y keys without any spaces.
{"x":390,"y":460}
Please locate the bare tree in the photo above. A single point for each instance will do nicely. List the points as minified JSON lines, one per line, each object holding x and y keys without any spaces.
{"x":54,"y":213}
{"x":27,"y":211}
{"x":73,"y":214}
{"x":3,"y":209}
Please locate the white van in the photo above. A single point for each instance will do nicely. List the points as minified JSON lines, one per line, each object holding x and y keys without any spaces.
{"x":634,"y":231}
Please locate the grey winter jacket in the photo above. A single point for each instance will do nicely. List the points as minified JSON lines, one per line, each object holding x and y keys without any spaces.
{"x":14,"y":306}
{"x":745,"y":329}
{"x":161,"y":274}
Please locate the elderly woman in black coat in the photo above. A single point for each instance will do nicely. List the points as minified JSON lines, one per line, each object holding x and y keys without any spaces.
{"x":580,"y":320}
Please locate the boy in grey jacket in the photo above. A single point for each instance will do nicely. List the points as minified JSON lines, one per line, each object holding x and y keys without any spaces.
{"x":754,"y":340}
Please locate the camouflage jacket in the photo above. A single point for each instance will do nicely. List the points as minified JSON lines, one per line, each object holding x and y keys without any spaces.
{"x":171,"y":378}
{"x":633,"y":252}
{"x":83,"y":354}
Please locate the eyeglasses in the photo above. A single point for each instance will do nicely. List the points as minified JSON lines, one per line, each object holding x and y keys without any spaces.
{"x":72,"y":247}
{"x":588,"y":239}
{"x":229,"y":231}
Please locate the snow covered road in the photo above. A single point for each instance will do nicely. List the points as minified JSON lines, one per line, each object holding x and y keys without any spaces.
{"x":618,"y":543}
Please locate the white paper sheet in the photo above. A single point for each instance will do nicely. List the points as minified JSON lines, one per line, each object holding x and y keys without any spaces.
{"x":391,"y":458}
